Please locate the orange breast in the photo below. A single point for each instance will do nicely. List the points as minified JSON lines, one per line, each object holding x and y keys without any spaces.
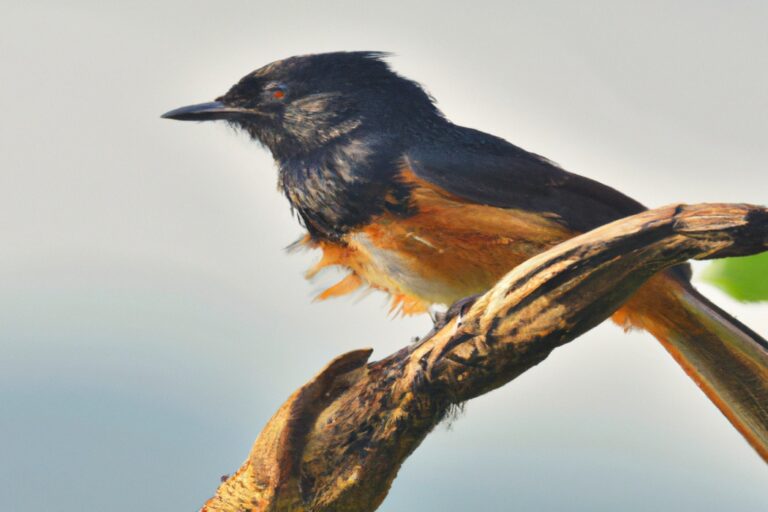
{"x":448,"y":250}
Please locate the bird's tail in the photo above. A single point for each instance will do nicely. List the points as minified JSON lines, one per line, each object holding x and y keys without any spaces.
{"x":727,"y":360}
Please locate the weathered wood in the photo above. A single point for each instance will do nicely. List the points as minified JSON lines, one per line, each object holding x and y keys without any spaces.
{"x":338,"y":442}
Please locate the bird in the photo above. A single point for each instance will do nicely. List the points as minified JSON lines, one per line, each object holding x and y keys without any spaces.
{"x":431,"y":212}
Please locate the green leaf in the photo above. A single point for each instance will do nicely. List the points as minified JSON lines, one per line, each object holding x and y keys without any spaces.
{"x":744,"y":278}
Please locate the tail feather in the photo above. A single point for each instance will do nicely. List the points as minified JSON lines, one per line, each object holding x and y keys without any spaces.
{"x":727,"y":360}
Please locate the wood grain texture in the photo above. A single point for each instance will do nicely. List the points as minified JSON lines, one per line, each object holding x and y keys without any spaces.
{"x":339,"y":441}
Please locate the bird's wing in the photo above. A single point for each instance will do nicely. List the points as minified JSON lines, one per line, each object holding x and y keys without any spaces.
{"x":487,"y":170}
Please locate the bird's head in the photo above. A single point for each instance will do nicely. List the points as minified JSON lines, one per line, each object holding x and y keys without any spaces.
{"x":297,"y":105}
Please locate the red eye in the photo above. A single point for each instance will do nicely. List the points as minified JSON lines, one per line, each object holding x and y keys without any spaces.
{"x":278,"y":94}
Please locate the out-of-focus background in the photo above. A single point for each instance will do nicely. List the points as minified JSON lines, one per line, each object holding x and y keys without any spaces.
{"x":151,"y":323}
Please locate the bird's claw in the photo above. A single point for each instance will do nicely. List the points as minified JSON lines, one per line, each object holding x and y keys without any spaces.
{"x":440,"y":319}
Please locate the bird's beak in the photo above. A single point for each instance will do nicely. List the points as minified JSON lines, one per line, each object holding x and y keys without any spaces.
{"x":210,"y":111}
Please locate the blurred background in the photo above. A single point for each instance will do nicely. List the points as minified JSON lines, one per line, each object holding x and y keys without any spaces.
{"x":151,"y":323}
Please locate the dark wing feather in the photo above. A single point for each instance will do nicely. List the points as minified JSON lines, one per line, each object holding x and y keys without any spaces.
{"x":488,"y":170}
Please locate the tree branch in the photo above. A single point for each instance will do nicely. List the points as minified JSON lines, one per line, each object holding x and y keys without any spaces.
{"x":338,"y":442}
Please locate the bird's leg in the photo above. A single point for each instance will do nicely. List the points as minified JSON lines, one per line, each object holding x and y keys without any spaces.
{"x":442,"y":318}
{"x":437,"y":314}
{"x":458,"y":309}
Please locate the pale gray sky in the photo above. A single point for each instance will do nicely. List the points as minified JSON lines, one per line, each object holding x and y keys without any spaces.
{"x":150,"y":322}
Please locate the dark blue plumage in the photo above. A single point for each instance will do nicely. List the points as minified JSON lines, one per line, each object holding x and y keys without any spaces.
{"x":343,"y":125}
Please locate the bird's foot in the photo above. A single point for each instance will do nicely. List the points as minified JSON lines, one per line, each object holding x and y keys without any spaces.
{"x":457,"y":310}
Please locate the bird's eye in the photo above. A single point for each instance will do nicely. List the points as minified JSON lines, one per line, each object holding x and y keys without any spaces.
{"x":276,"y":91}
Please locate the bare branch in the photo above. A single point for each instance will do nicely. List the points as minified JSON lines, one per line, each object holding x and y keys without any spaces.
{"x":338,"y":442}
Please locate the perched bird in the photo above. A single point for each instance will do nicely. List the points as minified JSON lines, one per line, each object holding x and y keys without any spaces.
{"x":432,"y":212}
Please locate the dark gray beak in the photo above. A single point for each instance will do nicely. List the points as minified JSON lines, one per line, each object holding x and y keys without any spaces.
{"x":207,"y":112}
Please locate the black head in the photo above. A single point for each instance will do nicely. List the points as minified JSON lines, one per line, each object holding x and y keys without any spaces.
{"x":299,"y":104}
